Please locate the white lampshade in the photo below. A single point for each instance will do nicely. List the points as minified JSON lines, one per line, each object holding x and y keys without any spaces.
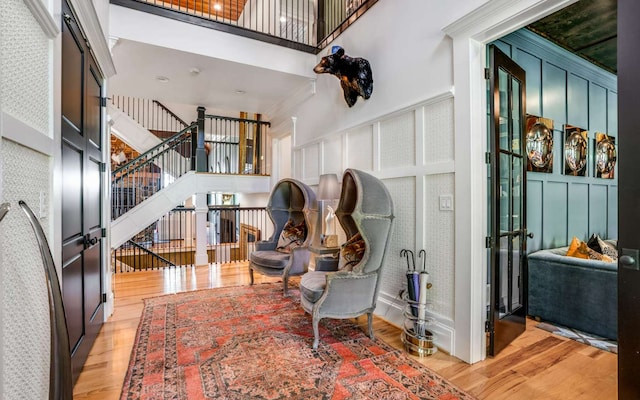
{"x":328,"y":188}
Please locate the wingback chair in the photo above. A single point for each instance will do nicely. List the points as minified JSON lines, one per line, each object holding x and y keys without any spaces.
{"x":348,"y":288}
{"x":286,"y":253}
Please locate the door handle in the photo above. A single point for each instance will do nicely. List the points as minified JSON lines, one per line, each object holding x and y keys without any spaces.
{"x":629,"y":259}
{"x":530,"y":235}
{"x":89,"y":241}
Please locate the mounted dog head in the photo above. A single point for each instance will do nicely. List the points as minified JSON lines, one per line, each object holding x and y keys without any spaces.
{"x":355,"y":74}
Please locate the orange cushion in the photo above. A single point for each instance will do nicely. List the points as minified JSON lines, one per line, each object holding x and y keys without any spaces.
{"x":573,"y":248}
{"x":580,"y":251}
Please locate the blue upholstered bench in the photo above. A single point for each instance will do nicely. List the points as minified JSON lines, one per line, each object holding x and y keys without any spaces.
{"x":577,"y":293}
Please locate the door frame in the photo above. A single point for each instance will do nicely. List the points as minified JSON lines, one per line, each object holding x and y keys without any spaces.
{"x":471,"y":34}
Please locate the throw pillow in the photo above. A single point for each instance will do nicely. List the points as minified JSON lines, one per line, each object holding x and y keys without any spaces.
{"x":352,"y":252}
{"x":594,"y":255}
{"x":292,"y":235}
{"x":593,"y":243}
{"x":607,"y":249}
{"x":573,"y":247}
{"x":578,"y":249}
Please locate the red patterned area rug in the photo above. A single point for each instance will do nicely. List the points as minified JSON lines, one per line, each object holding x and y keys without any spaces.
{"x":250,"y":342}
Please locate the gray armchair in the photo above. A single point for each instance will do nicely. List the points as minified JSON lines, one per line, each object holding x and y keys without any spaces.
{"x":349,"y":288}
{"x":289,"y":205}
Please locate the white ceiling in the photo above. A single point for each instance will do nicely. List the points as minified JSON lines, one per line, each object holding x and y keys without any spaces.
{"x":220,"y":84}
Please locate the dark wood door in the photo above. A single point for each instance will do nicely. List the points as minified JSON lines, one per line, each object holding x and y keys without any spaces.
{"x":628,"y":199}
{"x":507,"y":316}
{"x":82,"y":174}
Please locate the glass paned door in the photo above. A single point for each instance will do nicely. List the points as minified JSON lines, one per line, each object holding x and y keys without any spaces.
{"x":508,"y":221}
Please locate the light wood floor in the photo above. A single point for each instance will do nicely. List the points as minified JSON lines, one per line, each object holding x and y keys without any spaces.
{"x":538,"y":365}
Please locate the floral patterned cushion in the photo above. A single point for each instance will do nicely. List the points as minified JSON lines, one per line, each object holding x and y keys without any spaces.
{"x":608,"y":249}
{"x":293,"y":235}
{"x":352,"y":252}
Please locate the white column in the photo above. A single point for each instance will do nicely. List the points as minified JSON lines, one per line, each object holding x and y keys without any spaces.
{"x":201,"y":229}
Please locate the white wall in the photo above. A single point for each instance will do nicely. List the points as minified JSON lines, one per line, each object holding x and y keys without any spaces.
{"x":26,"y":146}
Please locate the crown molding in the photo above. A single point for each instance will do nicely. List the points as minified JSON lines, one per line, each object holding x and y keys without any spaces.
{"x":43,"y":17}
{"x":496,"y":18}
{"x":88,"y":20}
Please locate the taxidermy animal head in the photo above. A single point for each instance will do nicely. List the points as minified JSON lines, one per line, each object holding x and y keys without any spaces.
{"x":355,"y":74}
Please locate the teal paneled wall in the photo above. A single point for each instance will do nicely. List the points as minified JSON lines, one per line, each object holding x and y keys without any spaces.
{"x":569,"y":90}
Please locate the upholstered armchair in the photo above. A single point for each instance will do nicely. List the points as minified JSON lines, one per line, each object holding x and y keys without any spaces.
{"x":286,"y":253}
{"x":348,"y":287}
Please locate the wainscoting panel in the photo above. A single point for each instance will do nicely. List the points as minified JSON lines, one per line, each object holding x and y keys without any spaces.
{"x":439,"y":243}
{"x":578,"y":208}
{"x":403,"y":192}
{"x":332,"y":156}
{"x":297,"y":163}
{"x":554,"y":215}
{"x":612,"y":213}
{"x":397,"y":141}
{"x":534,"y":213}
{"x":360,"y":148}
{"x":597,"y":108}
{"x":612,"y":113}
{"x":438,"y":123}
{"x":598,"y":214}
{"x":533,"y":66}
{"x":311,"y":163}
{"x":578,"y":101}
{"x":554,"y":94}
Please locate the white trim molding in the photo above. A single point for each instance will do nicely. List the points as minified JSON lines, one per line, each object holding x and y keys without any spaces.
{"x":43,"y":17}
{"x":88,"y":20}
{"x":25,"y":135}
{"x":470,"y":35}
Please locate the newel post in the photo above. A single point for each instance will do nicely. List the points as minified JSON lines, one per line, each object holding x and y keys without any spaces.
{"x":200,"y":153}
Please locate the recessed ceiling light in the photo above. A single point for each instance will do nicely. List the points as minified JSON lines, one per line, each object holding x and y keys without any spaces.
{"x":283,"y":19}
{"x":162,"y":79}
{"x":194,"y":71}
{"x":239,"y":91}
{"x":217,"y":7}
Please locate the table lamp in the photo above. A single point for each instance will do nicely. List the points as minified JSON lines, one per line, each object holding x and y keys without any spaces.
{"x":328,"y":193}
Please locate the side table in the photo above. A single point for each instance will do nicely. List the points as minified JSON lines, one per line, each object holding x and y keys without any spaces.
{"x":321,"y":252}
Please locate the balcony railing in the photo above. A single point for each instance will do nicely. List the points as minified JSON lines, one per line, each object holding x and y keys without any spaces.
{"x":237,"y":145}
{"x":306,"y":25}
{"x":171,"y":241}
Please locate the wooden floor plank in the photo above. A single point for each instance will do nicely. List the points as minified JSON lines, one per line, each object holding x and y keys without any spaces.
{"x":537,"y":365}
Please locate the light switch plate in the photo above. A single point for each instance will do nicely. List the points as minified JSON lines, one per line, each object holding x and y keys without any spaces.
{"x":446,"y":202}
